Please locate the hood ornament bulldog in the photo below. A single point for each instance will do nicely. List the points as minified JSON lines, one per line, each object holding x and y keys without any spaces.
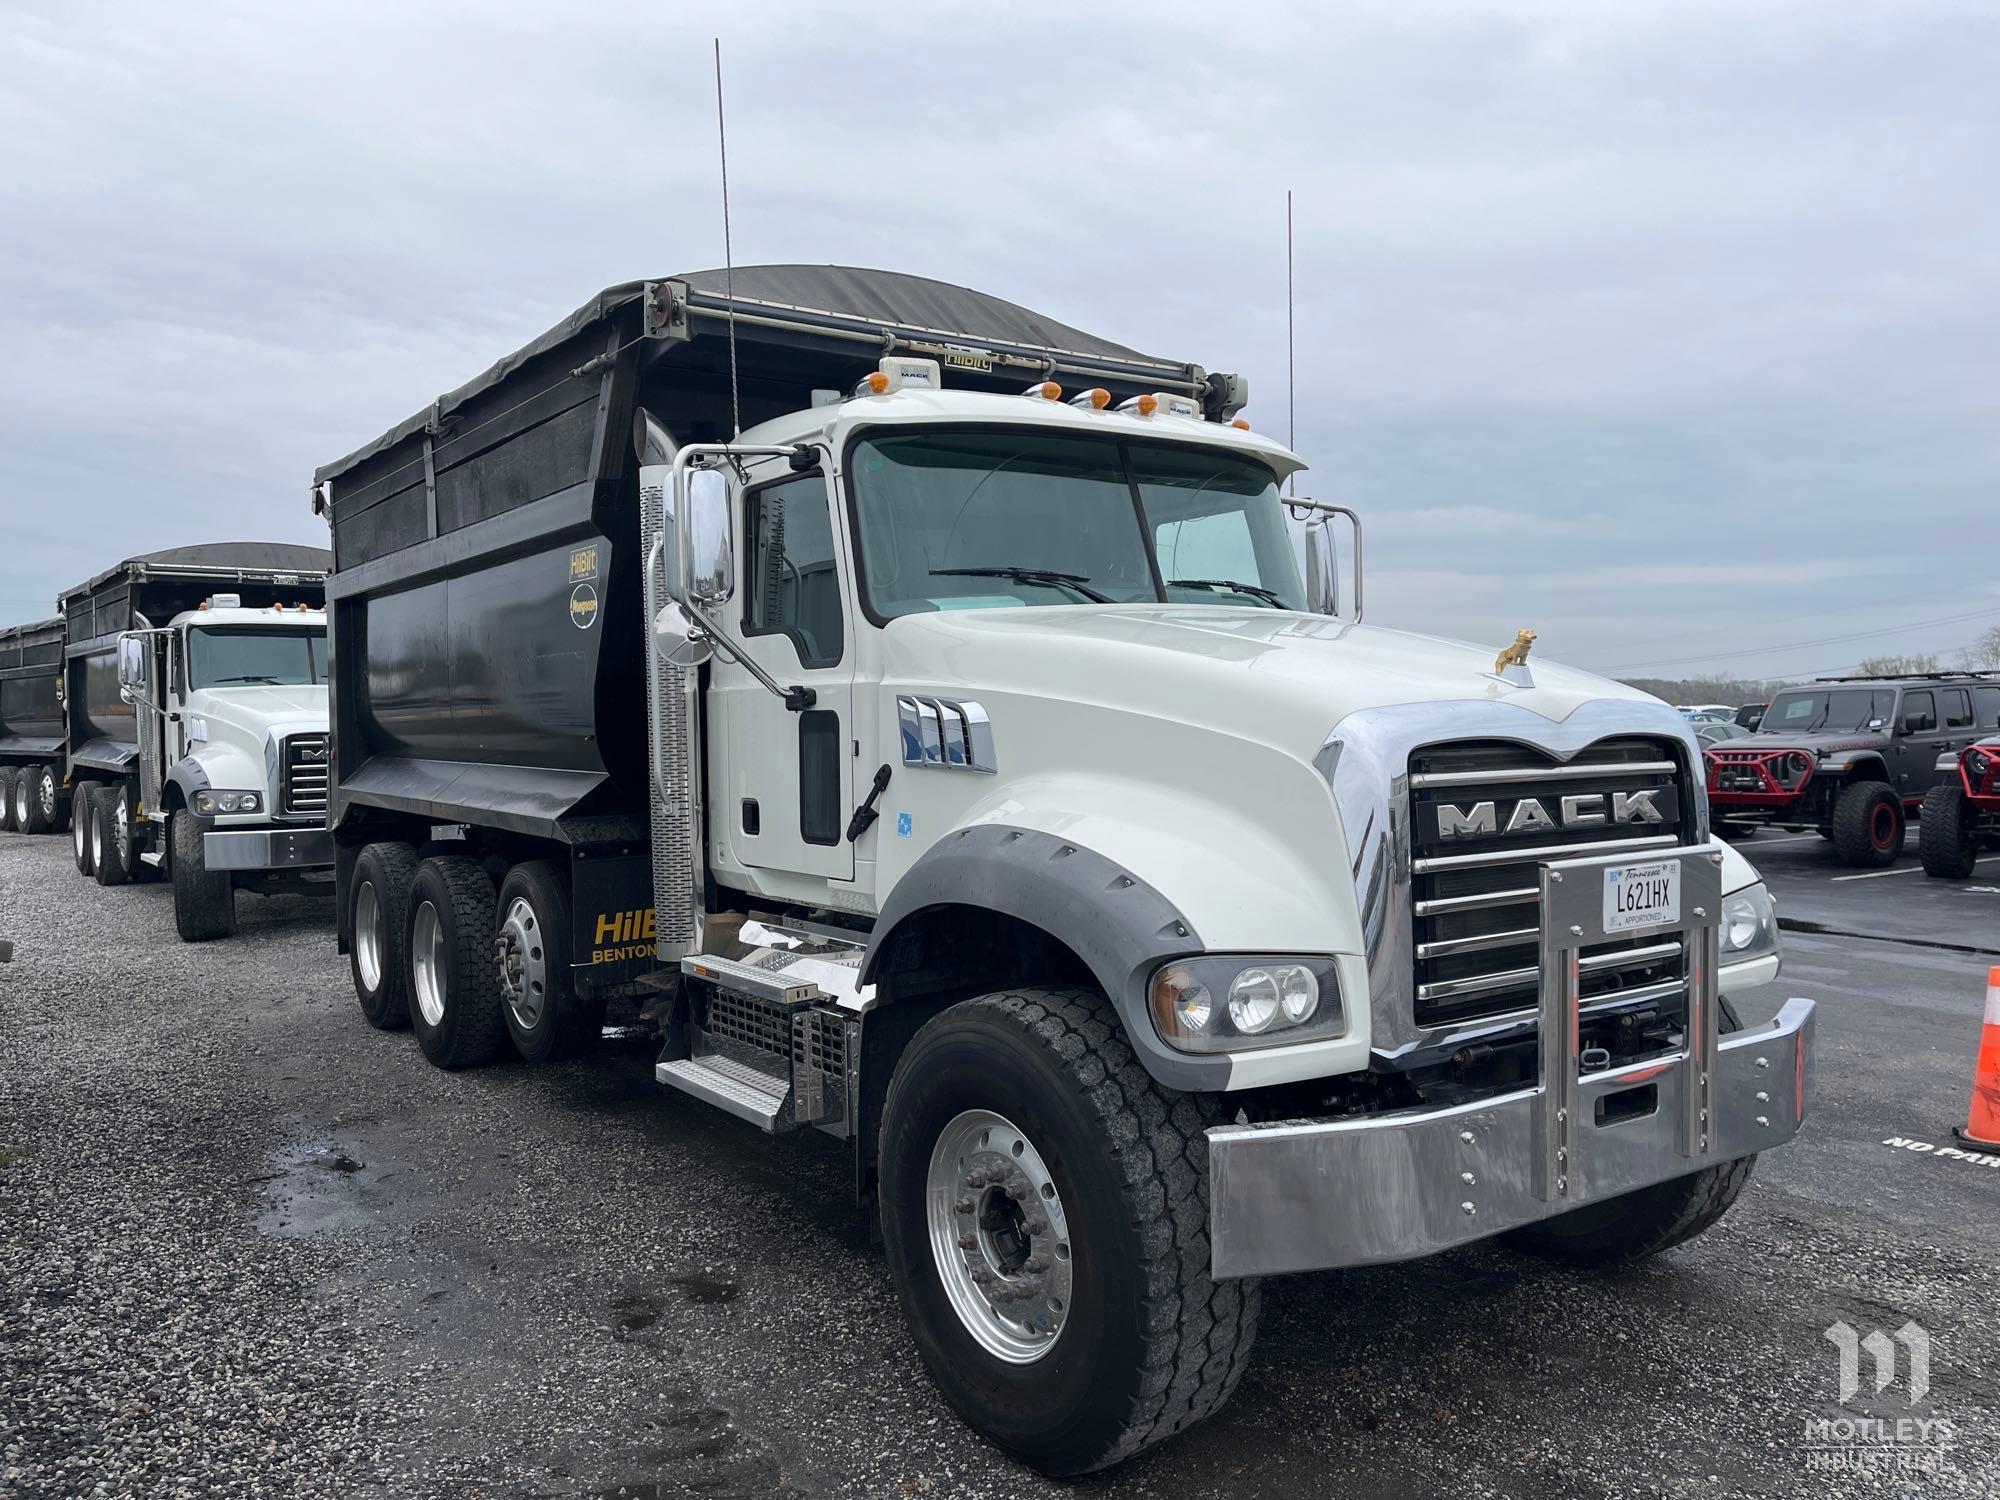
{"x":1511,"y":665}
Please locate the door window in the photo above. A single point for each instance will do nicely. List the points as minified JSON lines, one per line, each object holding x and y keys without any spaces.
{"x":794,"y":585}
{"x":1919,"y":713}
{"x":1987,"y":701}
{"x":1957,"y":708}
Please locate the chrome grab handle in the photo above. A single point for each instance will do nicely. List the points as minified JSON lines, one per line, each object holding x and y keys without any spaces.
{"x":651,"y":589}
{"x":1573,"y":919}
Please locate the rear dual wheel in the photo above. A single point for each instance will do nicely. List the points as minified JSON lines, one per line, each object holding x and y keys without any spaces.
{"x":81,"y":820}
{"x":110,"y":834}
{"x":7,"y":799}
{"x":454,"y":982}
{"x":36,"y":799}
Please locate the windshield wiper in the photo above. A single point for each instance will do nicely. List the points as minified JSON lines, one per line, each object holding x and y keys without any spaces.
{"x":245,"y":677}
{"x":1077,"y":582}
{"x":1231,"y":584}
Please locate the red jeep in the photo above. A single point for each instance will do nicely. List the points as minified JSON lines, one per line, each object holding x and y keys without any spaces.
{"x":1962,"y":812}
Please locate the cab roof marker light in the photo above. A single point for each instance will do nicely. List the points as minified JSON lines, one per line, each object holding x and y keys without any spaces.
{"x":1143,"y":406}
{"x":1241,"y":424}
{"x":1047,"y":390}
{"x":1095,"y":399}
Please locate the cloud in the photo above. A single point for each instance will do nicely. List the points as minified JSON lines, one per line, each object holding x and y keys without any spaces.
{"x":1686,"y":308}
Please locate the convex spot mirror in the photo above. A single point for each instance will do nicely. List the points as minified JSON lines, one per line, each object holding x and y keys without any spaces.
{"x":677,"y":639}
{"x":709,"y":576}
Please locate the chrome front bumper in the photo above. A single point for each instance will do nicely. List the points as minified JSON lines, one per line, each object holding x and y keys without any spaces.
{"x":1315,"y":1194}
{"x":1318,"y":1194}
{"x":266,"y":848}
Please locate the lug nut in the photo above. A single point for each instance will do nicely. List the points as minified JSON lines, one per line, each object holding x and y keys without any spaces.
{"x":968,"y":1242}
{"x":963,"y":1206}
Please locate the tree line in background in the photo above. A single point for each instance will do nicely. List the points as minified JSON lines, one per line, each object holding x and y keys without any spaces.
{"x":1982,"y":655}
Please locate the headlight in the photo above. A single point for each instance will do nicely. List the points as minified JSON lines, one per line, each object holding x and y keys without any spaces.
{"x":208,"y":804}
{"x":1226,"y":1004}
{"x":1979,"y":763}
{"x":1749,"y":925}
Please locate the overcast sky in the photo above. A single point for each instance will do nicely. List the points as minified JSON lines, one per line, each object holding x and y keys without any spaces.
{"x":1662,"y":328}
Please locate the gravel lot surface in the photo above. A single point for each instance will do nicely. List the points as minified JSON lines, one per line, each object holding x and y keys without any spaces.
{"x":250,"y":1246}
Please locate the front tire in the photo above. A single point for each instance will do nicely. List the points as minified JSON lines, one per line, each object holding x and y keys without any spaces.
{"x":1948,"y":833}
{"x":545,"y":1016}
{"x":1868,"y":824}
{"x":204,"y":899}
{"x":379,"y":925}
{"x":1636,"y":1226}
{"x":1095,"y":1329}
{"x":454,"y":982}
{"x":1735,"y":832}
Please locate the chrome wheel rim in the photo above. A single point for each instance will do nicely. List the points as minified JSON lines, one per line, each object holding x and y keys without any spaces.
{"x":79,"y":830}
{"x":96,"y":842}
{"x":999,"y":1236}
{"x":524,"y":974}
{"x":121,"y":827}
{"x":368,"y":936}
{"x":22,"y":792}
{"x":47,"y":787}
{"x":427,"y":964}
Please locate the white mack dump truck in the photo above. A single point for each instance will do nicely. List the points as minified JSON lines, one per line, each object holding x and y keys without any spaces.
{"x":197,"y":724}
{"x":960,"y":762}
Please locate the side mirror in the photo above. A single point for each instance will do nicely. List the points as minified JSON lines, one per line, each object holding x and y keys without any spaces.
{"x":676,"y":641}
{"x":132,"y":667}
{"x":1311,"y":525}
{"x":708,"y":570}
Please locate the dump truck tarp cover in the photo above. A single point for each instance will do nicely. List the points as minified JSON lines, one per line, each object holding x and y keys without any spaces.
{"x":891,"y":298}
{"x":283,"y":557}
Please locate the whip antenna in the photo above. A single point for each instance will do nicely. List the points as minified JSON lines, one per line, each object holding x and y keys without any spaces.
{"x":1291,"y":366}
{"x":728,"y":257}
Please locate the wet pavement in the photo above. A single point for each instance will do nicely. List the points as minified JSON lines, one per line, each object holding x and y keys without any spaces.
{"x":249,"y":1245}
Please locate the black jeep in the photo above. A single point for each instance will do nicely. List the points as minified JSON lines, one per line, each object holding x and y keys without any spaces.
{"x":1849,"y":757}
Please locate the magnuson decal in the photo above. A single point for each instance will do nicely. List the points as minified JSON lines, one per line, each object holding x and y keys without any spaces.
{"x":583,"y":606}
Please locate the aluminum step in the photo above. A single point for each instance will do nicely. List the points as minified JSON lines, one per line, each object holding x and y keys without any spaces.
{"x":729,"y":1085}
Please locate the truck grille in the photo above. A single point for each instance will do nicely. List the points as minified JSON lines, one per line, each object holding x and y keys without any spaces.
{"x":308,"y":769}
{"x":1475,"y":885}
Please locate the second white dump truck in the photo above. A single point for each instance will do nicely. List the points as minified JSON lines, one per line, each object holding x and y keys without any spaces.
{"x":921,"y":704}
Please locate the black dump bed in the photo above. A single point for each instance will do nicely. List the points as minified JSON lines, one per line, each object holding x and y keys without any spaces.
{"x":30,"y":707}
{"x":149,"y":591}
{"x":486,"y":608}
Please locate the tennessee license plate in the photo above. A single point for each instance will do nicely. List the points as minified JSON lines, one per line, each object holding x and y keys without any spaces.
{"x":1647,"y":895}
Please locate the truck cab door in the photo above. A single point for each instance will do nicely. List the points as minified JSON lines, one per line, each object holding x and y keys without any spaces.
{"x":785,"y":785}
{"x":1919,"y":737}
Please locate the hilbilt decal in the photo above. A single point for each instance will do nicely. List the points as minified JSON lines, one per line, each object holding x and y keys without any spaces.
{"x":583,"y":563}
{"x":623,"y":934}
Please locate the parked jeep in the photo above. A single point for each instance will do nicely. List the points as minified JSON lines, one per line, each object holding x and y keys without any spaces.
{"x":1962,"y":812}
{"x":1850,"y":757}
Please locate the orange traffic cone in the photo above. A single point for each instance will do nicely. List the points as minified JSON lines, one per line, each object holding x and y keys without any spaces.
{"x":1982,"y":1126}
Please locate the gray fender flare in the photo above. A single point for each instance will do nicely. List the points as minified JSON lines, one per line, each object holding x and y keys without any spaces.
{"x":1121,"y":927}
{"x":188,"y":777}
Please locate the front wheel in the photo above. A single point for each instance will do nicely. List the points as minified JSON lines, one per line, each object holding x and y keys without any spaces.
{"x":1868,"y":827}
{"x":1045,"y":1214}
{"x":1948,"y":833}
{"x":204,"y":899}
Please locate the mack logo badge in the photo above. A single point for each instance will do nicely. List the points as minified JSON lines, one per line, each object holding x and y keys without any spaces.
{"x":583,"y":606}
{"x":1532,"y":815}
{"x":307,"y":753}
{"x":582,"y":563}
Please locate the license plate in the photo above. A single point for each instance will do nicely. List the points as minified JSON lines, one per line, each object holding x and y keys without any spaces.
{"x":1647,"y":895}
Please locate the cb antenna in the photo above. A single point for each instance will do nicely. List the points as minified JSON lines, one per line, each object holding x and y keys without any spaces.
{"x":728,"y":256}
{"x":1291,"y":366}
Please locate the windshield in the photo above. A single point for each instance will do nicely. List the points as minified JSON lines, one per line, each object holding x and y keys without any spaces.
{"x":986,"y":519}
{"x":226,"y":658}
{"x":1838,"y":711}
